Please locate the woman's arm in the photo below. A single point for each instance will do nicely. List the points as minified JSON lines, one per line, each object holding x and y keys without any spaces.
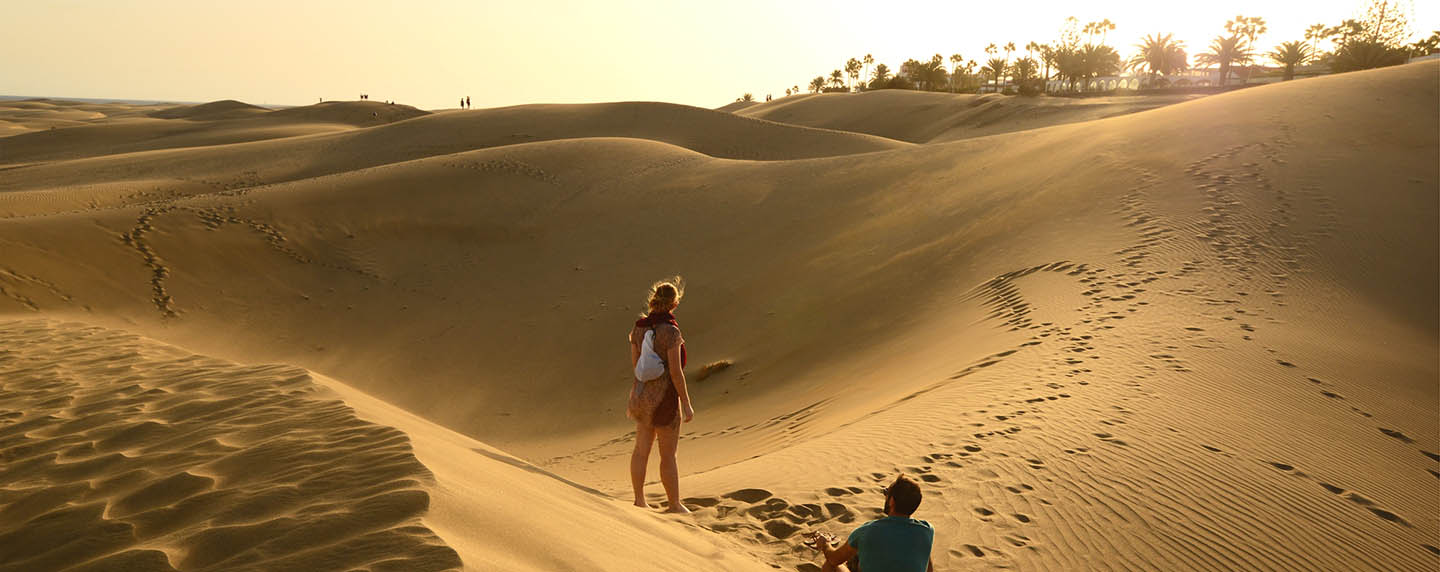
{"x":677,"y":377}
{"x":634,"y":350}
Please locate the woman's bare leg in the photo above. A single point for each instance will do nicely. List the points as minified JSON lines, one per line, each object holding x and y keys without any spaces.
{"x":639,"y":460}
{"x":670,"y":468}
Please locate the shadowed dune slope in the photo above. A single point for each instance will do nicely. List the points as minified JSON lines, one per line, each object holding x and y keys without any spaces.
{"x":122,"y":453}
{"x":126,"y":454}
{"x":930,"y":117}
{"x":1155,"y":352}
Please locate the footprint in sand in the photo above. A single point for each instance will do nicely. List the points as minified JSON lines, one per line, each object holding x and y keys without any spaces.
{"x":1396,"y":434}
{"x":748,"y":495}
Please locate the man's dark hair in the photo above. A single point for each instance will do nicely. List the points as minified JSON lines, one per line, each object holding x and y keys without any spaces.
{"x":906,"y":494}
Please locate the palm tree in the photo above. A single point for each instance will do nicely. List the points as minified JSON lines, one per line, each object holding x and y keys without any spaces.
{"x":867,"y":61}
{"x":747,"y":97}
{"x":817,"y":84}
{"x":935,"y":73}
{"x":1099,"y":61}
{"x":1047,"y":57}
{"x":1009,"y":47}
{"x":881,"y":77}
{"x":1426,"y":46}
{"x":852,"y":69}
{"x":1024,"y":71}
{"x":1161,"y":54}
{"x":996,"y":68}
{"x":1031,"y":48}
{"x":1104,"y":27}
{"x":1345,"y":29}
{"x":990,"y":50}
{"x":1314,"y":34}
{"x":1358,"y":54}
{"x":1290,"y":54}
{"x":837,"y":78}
{"x":1223,"y":52}
{"x":1249,"y":28}
{"x":955,"y":61}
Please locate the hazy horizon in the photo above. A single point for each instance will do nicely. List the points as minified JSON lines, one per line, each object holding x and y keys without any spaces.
{"x":430,"y":55}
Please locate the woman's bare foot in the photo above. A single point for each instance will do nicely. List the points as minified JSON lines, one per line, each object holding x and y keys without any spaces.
{"x":679,"y":508}
{"x":641,"y":504}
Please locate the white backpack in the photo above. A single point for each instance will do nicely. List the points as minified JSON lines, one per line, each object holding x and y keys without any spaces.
{"x":649,"y":366}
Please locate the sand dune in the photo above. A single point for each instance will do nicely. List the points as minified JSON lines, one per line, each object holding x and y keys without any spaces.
{"x":53,"y":184}
{"x":215,"y":110}
{"x":124,"y":453}
{"x":208,"y":124}
{"x":930,"y":117}
{"x":1158,"y":352}
{"x":736,"y":106}
{"x":23,"y":116}
{"x":127,"y":454}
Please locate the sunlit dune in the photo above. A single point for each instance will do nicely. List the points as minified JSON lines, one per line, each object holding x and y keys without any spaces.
{"x":934,"y":117}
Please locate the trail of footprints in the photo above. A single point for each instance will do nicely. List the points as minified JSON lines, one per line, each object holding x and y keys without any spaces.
{"x":14,"y":285}
{"x":1351,"y":496}
{"x":213,"y":218}
{"x":763,"y":518}
{"x":507,"y":167}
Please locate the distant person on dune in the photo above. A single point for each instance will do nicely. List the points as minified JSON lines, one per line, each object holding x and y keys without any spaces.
{"x":658,"y":398}
{"x":896,"y":543}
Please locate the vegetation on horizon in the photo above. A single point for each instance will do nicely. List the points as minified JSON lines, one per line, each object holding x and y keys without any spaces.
{"x":1079,"y":57}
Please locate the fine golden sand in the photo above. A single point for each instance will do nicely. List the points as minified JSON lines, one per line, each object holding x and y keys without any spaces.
{"x":1123,"y":333}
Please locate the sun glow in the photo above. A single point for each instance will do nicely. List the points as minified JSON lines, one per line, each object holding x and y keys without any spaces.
{"x":503,"y":53}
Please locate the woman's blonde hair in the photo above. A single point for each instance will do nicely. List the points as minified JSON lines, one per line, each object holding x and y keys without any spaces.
{"x":665,"y":294}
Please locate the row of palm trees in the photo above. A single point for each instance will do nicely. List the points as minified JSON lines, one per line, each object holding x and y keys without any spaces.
{"x":1081,"y":54}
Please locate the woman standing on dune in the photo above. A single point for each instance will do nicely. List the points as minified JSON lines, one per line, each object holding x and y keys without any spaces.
{"x":657,"y":405}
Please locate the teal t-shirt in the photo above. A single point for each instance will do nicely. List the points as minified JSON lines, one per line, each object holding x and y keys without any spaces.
{"x":893,"y":544}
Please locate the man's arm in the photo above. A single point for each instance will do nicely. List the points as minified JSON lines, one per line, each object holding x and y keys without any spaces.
{"x":835,"y":557}
{"x":932,"y":566}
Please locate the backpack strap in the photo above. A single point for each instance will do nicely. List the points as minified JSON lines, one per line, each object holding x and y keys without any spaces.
{"x":654,"y":340}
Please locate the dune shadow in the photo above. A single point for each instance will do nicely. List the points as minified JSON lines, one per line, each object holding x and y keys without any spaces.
{"x":514,"y":462}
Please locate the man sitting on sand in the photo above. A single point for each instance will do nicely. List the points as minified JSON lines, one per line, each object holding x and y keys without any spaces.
{"x":896,"y":543}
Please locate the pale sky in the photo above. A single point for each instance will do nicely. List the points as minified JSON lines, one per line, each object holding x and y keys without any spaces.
{"x":428,"y":53}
